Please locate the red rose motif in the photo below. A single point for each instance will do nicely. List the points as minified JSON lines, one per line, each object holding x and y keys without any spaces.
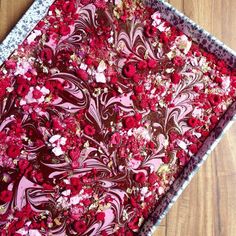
{"x":218,"y":80}
{"x":22,"y":89}
{"x":129,"y":70}
{"x":13,"y":151}
{"x":215,"y":99}
{"x":56,"y":124}
{"x":221,"y":63}
{"x":214,"y":119}
{"x":100,"y":216}
{"x":193,"y":122}
{"x":144,"y":103}
{"x":140,"y":178}
{"x":152,"y":64}
{"x":193,"y":148}
{"x":40,"y":25}
{"x":80,"y":226}
{"x":136,"y":78}
{"x":139,"y":89}
{"x":175,"y":78}
{"x":138,"y":116}
{"x":64,"y":30}
{"x":130,"y":122}
{"x":89,"y":61}
{"x":38,"y":176}
{"x":150,"y":31}
{"x":69,"y":7}
{"x":89,"y":130}
{"x":168,"y":97}
{"x":114,"y":80}
{"x":133,"y":202}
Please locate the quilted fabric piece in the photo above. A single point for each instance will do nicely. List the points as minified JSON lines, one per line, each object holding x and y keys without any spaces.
{"x":101,"y":108}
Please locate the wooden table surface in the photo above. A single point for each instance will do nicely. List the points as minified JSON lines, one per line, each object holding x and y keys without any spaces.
{"x":208,"y":205}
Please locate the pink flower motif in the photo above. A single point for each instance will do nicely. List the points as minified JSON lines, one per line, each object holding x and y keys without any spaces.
{"x":10,"y":64}
{"x":134,"y":163}
{"x":77,"y":212}
{"x":100,"y":3}
{"x":116,"y":139}
{"x":182,"y":156}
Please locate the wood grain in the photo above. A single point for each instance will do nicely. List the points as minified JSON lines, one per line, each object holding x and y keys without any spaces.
{"x":208,"y":206}
{"x":10,"y":12}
